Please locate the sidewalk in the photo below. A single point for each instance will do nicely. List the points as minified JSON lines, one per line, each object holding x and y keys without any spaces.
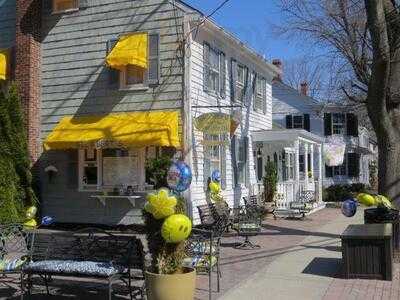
{"x":310,"y":271}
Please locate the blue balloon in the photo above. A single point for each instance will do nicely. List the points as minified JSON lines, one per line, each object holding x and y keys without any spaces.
{"x":216,"y":176}
{"x":46,"y":220}
{"x":179,"y":176}
{"x":349,"y":208}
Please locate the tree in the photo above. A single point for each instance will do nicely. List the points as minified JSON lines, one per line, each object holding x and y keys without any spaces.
{"x":15,"y":176}
{"x":363,"y":37}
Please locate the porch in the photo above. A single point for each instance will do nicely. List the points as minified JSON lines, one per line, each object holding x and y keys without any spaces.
{"x":297,"y":155}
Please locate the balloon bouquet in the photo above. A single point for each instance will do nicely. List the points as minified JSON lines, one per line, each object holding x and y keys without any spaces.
{"x":166,"y":218}
{"x":215,"y":187}
{"x":31,"y":222}
{"x":349,"y":206}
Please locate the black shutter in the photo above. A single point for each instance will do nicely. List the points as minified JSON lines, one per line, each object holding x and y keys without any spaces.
{"x":328,"y":124}
{"x":233,"y":79}
{"x":306,"y":122}
{"x":289,"y":121}
{"x":72,"y":170}
{"x":246,"y":159}
{"x":206,"y":66}
{"x":47,"y":6}
{"x":154,"y":59}
{"x":353,"y":164}
{"x":83,"y":4}
{"x":113,"y":74}
{"x":234,"y":152}
{"x":352,"y":124}
{"x":222,"y":74}
{"x":12,"y":64}
{"x":223,"y":162}
{"x":328,"y":171}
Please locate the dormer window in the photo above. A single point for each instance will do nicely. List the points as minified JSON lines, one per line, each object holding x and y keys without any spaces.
{"x":61,"y":6}
{"x":338,"y":123}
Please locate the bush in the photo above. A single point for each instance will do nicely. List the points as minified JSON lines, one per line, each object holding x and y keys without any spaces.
{"x":339,"y":192}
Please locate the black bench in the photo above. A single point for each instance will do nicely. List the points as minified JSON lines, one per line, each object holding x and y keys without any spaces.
{"x":91,"y":253}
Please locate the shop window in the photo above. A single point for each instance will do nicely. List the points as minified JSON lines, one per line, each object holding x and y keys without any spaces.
{"x":60,"y":6}
{"x":88,"y":169}
{"x":213,"y":152}
{"x":133,"y":77}
{"x":242,"y":160}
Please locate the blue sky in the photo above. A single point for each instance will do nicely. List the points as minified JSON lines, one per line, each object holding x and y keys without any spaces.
{"x":252,"y":24}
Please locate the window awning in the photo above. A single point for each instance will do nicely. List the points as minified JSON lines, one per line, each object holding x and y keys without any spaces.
{"x":130,"y":49}
{"x":3,"y":64}
{"x":137,"y":129}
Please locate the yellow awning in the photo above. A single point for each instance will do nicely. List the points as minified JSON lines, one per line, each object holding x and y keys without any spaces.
{"x":3,"y":64}
{"x":137,"y":129}
{"x":130,"y":50}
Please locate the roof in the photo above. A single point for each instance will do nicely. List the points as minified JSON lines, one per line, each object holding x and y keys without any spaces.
{"x":286,"y":135}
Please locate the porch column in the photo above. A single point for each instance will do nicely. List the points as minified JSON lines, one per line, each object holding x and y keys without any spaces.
{"x":306,"y":166}
{"x":297,"y":168}
{"x":312,"y":162}
{"x":320,"y":174}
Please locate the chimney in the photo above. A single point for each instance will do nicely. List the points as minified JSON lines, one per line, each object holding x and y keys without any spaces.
{"x":304,"y":88}
{"x":278,"y":63}
{"x":28,"y":68}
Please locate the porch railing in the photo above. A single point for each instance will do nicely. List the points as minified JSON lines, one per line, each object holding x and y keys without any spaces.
{"x":288,"y":192}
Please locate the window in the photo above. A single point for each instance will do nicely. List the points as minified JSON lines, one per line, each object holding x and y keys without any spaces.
{"x":211,"y":69}
{"x":214,"y":157}
{"x":338,"y":123}
{"x":288,"y":163}
{"x":109,"y":168}
{"x":242,"y":151}
{"x":88,"y":170}
{"x":133,"y":76}
{"x":241,"y":74}
{"x":60,"y":6}
{"x":298,"y":122}
{"x":261,"y":93}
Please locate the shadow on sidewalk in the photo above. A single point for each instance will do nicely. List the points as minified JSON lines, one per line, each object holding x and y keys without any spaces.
{"x":324,"y":266}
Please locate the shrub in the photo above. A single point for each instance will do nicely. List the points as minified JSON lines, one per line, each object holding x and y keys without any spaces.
{"x":339,"y":192}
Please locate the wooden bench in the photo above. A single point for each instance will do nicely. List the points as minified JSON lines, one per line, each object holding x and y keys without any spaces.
{"x":91,"y":253}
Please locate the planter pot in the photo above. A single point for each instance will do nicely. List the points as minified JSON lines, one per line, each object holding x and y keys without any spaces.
{"x":171,"y":287}
{"x":378,"y":215}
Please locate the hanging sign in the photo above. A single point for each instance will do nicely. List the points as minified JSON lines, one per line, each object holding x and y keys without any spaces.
{"x":334,"y":150}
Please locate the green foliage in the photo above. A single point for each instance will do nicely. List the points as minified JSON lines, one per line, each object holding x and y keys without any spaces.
{"x":15,"y":176}
{"x":338,"y":192}
{"x":165,"y":258}
{"x":270,"y":181}
{"x":157,"y":169}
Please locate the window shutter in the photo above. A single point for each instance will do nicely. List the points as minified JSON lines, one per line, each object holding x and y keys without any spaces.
{"x":264,"y":83}
{"x":47,"y":6}
{"x":234,"y":153}
{"x":206,"y":169}
{"x":72,"y":170}
{"x":222,"y":74}
{"x":328,"y":124}
{"x":353,"y":164}
{"x":83,"y":4}
{"x":154,"y":59}
{"x":247,"y":87}
{"x":223,"y":162}
{"x":289,"y":122}
{"x":113,"y":74}
{"x":255,"y":76}
{"x":352,"y":124}
{"x":206,"y":68}
{"x":246,"y":156}
{"x":12,"y":63}
{"x":306,"y":122}
{"x":233,"y":79}
{"x":328,"y":171}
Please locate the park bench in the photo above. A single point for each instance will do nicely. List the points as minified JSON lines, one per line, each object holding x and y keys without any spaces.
{"x":298,"y":208}
{"x":87,"y":253}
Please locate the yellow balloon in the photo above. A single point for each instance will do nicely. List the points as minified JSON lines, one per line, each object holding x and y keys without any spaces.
{"x":176,"y":228}
{"x":31,"y":212}
{"x":366,"y":199}
{"x":31,"y":223}
{"x":215,"y":187}
{"x":161,"y":205}
{"x":380,"y":199}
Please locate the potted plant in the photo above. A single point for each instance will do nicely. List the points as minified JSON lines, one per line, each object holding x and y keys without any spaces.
{"x":270,"y":182}
{"x":167,"y":228}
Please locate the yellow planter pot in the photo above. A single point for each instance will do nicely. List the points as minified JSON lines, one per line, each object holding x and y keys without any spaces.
{"x":171,"y":287}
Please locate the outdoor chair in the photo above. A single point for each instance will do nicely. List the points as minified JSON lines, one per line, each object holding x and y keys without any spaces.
{"x":252,"y":203}
{"x":249,"y":224}
{"x":212,"y":215}
{"x":203,"y":254}
{"x":15,"y":246}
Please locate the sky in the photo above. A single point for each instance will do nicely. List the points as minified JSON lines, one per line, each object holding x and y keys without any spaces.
{"x":252,"y":23}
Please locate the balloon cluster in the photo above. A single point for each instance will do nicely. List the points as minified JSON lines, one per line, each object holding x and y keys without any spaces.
{"x":349,"y":206}
{"x":162,"y":205}
{"x":215,"y":186}
{"x":30,"y":217}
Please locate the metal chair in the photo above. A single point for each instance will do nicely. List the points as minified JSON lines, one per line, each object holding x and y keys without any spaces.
{"x":249,"y":225}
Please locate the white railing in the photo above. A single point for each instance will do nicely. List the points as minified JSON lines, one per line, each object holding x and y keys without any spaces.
{"x":286,"y":193}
